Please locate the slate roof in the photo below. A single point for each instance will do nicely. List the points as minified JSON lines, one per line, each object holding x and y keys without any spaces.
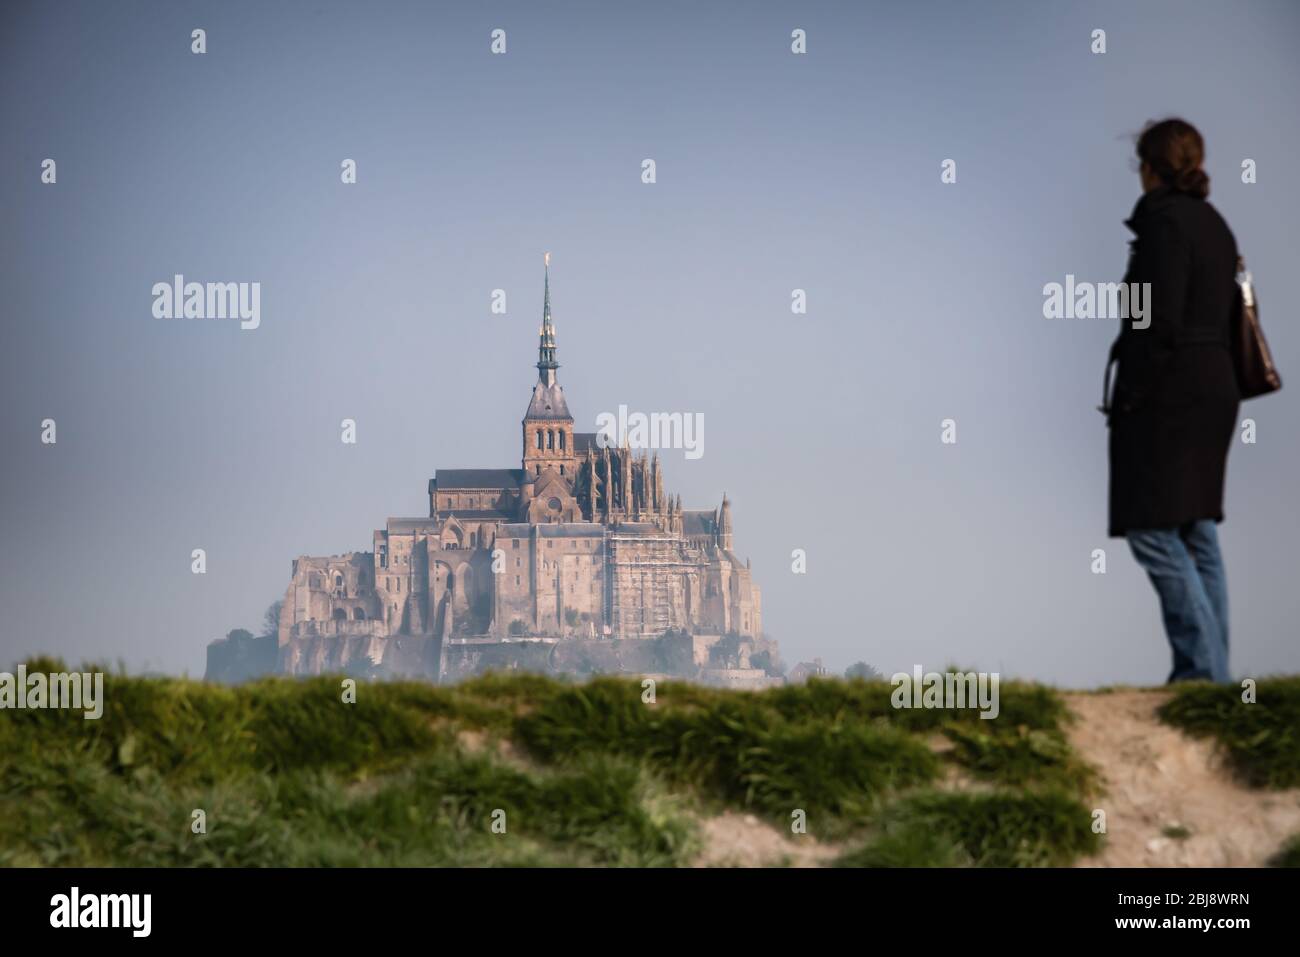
{"x":408,"y":524}
{"x":478,"y":514}
{"x":571,"y":530}
{"x":448,"y":479}
{"x":558,"y":530}
{"x":697,"y":521}
{"x":585,"y":440}
{"x":548,"y":403}
{"x":637,"y":528}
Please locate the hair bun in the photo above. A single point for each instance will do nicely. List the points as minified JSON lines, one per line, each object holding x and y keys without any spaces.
{"x":1174,"y":151}
{"x":1195,"y":181}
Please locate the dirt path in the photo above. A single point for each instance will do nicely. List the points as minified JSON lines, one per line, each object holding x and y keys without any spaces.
{"x":1160,"y":782}
{"x":742,"y":840}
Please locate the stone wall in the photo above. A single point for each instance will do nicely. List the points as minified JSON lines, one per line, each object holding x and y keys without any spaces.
{"x":668,"y":655}
{"x":674,"y":656}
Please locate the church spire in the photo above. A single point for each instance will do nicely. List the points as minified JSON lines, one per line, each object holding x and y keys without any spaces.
{"x":546,"y":364}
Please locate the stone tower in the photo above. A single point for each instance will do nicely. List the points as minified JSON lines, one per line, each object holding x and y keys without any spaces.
{"x":548,"y":426}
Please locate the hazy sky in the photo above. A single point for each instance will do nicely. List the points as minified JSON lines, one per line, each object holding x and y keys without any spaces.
{"x":775,"y":172}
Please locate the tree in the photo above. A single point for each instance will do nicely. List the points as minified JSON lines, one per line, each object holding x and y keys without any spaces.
{"x":767,"y":655}
{"x":271,"y":620}
{"x":862,"y":670}
{"x":725,"y":652}
{"x":674,"y":653}
{"x":363,"y":668}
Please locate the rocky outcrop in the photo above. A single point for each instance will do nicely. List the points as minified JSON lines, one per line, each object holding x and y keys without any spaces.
{"x":410,"y":656}
{"x":241,"y":657}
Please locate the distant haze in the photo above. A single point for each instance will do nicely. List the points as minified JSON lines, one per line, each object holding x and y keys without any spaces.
{"x":775,"y":172}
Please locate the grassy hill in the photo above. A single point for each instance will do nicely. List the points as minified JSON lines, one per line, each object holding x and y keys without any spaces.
{"x":523,"y":770}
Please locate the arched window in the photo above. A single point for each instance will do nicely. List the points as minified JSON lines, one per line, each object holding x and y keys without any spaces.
{"x":539,"y":438}
{"x":473,"y":539}
{"x":358,"y":614}
{"x":550,"y":439}
{"x":340,"y":614}
{"x":561,"y":441}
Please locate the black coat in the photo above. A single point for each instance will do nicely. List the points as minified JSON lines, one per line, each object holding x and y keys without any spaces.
{"x":1174,"y":409}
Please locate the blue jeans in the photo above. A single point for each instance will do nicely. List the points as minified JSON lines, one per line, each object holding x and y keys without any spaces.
{"x":1186,"y":567}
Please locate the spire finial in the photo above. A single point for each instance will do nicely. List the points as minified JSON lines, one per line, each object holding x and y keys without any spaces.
{"x":546,"y":294}
{"x":546,"y":364}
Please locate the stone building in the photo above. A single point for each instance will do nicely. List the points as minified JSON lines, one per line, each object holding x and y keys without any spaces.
{"x":580,"y":541}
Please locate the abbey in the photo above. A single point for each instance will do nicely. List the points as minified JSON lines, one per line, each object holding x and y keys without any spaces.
{"x":581,"y":541}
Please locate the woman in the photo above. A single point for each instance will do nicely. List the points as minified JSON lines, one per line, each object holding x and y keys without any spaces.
{"x":1174,"y":409}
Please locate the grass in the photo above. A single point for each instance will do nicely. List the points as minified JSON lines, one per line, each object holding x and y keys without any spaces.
{"x":286,"y":774}
{"x":1259,"y":734}
{"x":991,"y":829}
{"x":1261,"y":738}
{"x":735,"y":749}
{"x":1289,"y":855}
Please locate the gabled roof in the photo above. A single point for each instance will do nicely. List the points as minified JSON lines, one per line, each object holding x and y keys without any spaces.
{"x":545,"y":482}
{"x":409,"y":524}
{"x":447,"y":479}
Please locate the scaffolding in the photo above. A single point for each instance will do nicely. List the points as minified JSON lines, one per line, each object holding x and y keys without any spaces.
{"x":643,"y":583}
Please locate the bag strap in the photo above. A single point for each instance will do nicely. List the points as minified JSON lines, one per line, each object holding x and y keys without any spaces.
{"x":1111,"y":359}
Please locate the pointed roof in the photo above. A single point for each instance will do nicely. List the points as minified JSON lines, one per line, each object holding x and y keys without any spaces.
{"x":548,"y":403}
{"x":548,"y":398}
{"x":546,"y":364}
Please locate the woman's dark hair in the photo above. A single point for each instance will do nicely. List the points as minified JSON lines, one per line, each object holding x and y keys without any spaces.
{"x":1174,"y":150}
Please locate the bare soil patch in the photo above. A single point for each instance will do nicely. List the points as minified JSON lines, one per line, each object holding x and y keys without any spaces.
{"x":1161,"y":784}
